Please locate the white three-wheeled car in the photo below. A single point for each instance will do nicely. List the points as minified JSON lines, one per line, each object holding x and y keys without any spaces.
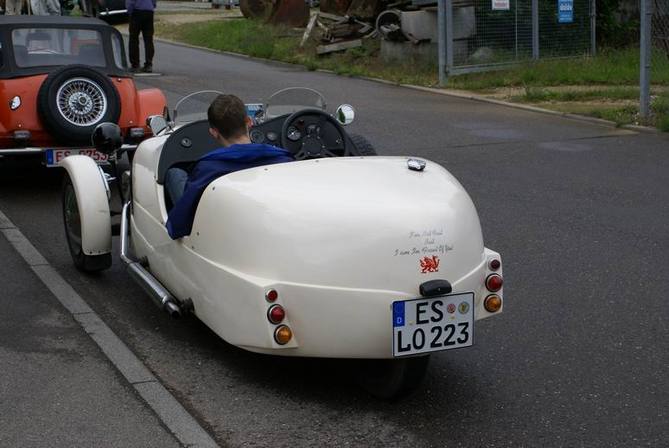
{"x":340,"y":254}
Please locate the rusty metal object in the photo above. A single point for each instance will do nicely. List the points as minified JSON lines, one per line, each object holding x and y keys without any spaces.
{"x":366,"y":9}
{"x":256,"y":9}
{"x":293,"y":13}
{"x":338,"y":7}
{"x":389,"y":25}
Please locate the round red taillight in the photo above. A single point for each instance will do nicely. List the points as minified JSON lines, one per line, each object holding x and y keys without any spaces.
{"x":494,"y":264}
{"x":276,"y":314}
{"x":271,"y":295}
{"x":494,"y":282}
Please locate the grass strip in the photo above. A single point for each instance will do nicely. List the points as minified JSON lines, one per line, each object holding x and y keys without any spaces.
{"x":610,"y":67}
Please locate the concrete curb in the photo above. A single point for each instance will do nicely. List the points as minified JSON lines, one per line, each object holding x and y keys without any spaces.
{"x":447,"y":92}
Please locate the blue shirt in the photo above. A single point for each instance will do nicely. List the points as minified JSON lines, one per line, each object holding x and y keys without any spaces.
{"x":210,"y":167}
{"x":140,"y":5}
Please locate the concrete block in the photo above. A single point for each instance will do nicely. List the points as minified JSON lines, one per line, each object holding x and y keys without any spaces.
{"x":423,"y":24}
{"x":420,"y":25}
{"x":423,"y":53}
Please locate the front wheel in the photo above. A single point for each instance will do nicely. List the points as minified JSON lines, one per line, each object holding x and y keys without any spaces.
{"x":362,"y":146}
{"x":73,"y":234}
{"x":393,"y":378}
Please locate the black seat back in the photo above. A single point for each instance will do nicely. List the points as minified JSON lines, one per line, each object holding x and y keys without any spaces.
{"x":186,"y":144}
{"x":21,"y":55}
{"x":92,"y":54}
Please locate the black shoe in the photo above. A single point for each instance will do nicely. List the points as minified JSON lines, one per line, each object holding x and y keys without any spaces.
{"x":147,"y":69}
{"x":134,"y":69}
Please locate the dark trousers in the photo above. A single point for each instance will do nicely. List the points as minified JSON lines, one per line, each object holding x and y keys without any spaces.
{"x":141,"y":21}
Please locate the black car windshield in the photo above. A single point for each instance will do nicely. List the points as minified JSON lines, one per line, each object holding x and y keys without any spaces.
{"x":37,"y":47}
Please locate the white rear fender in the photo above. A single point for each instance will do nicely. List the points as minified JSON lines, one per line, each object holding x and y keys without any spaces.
{"x":91,"y":189}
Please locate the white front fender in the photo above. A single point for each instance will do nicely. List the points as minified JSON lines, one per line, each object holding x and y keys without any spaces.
{"x":90,"y":187}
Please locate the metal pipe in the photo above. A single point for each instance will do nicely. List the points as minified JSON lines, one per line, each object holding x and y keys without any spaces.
{"x":161,"y":296}
{"x":112,"y":13}
{"x":11,"y":152}
{"x":593,"y":28}
{"x":449,"y":36}
{"x":644,"y":65}
{"x":535,"y":29}
{"x":441,"y":26}
{"x":124,"y":234}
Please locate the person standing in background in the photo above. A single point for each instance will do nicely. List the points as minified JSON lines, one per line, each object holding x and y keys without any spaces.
{"x":45,"y":7}
{"x":13,"y":7}
{"x":141,"y":20}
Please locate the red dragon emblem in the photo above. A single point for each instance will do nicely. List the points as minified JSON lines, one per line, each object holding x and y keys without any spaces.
{"x":429,"y":264}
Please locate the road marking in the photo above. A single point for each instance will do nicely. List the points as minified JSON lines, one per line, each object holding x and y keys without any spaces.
{"x":173,"y":415}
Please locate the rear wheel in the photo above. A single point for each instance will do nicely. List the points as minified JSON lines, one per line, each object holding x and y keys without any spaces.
{"x":73,"y":234}
{"x":393,"y":378}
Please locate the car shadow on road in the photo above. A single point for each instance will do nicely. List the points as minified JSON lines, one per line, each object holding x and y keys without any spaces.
{"x":321,"y":380}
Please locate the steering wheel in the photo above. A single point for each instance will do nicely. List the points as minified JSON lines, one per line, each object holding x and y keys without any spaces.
{"x":312,"y":133}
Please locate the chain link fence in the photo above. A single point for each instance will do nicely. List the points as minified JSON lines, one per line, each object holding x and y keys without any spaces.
{"x":487,"y":36}
{"x":654,"y":47}
{"x":483,"y":34}
{"x":566,"y":33}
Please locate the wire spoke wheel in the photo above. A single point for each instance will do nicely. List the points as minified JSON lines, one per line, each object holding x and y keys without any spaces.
{"x":73,"y":100}
{"x":81,"y":101}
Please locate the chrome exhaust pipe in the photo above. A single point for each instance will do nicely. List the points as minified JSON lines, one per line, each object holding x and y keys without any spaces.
{"x":161,"y":296}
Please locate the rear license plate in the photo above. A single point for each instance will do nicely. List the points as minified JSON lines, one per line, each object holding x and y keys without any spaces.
{"x":433,"y":324}
{"x":55,"y":156}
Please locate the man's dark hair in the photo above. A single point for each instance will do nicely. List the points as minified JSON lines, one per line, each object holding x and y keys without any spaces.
{"x":227,"y":114}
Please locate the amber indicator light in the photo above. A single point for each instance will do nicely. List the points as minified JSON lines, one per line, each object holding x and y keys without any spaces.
{"x":282,"y":335}
{"x":492,"y":303}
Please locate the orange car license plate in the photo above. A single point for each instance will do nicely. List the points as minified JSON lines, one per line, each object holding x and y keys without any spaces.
{"x":55,"y":156}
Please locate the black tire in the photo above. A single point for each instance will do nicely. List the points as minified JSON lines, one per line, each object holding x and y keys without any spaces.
{"x":101,"y":103}
{"x":393,"y":378}
{"x":362,"y":146}
{"x":72,"y":223}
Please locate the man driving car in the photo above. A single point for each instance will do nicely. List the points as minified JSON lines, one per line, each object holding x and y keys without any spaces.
{"x":228,"y":125}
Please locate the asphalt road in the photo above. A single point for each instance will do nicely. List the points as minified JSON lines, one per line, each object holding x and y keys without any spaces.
{"x":578,"y":212}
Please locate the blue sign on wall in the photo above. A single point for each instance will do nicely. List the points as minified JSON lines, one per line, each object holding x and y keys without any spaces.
{"x":565,"y":11}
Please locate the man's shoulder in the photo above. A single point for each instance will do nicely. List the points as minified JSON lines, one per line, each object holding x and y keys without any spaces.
{"x":245,"y":151}
{"x":260,"y":147}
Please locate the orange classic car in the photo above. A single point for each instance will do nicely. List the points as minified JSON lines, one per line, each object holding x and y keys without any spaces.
{"x":59,"y":78}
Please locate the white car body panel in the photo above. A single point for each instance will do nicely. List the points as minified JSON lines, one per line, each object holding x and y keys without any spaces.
{"x":93,"y":202}
{"x":340,"y":239}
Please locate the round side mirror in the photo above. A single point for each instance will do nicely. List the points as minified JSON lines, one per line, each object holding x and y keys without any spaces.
{"x":107,"y":138}
{"x":157,"y":124}
{"x":345,"y":114}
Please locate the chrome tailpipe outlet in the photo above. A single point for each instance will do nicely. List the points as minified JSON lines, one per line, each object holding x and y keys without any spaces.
{"x":161,"y":296}
{"x":173,"y":310}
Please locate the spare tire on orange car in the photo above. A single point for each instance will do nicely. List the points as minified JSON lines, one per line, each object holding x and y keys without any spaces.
{"x":73,"y":100}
